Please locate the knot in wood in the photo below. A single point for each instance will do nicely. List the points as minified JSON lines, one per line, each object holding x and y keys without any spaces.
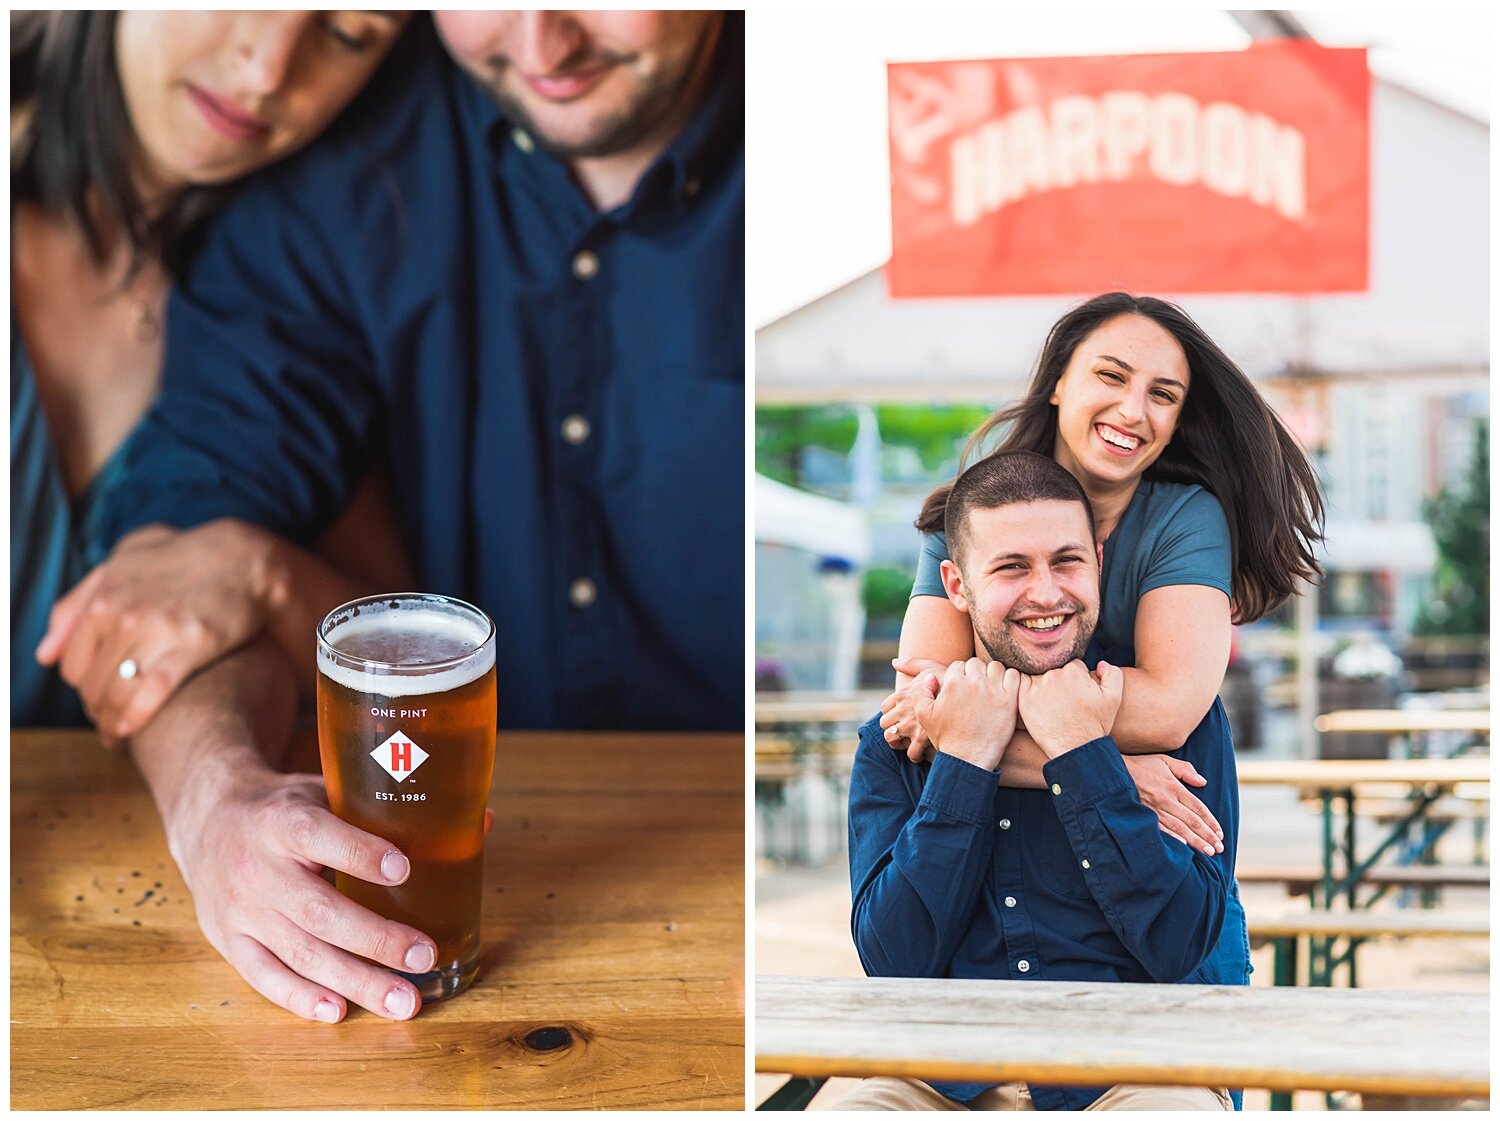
{"x":549,"y":1039}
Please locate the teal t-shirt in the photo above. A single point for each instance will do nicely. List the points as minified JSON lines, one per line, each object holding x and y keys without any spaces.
{"x":47,"y":535}
{"x":1171,"y":533}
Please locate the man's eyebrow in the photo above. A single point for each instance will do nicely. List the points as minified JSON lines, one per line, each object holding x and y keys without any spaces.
{"x":387,"y":13}
{"x":1129,"y":369}
{"x":1061,"y":549}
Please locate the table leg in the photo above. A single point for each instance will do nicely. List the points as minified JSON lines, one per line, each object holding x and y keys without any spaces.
{"x":794,"y":1094}
{"x":1284,"y":969}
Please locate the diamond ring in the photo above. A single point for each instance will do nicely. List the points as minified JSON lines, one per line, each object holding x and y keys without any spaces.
{"x":128,"y":669}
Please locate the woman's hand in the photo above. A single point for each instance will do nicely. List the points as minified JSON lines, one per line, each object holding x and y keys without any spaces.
{"x":903,"y":731}
{"x":1163,"y":785}
{"x":165,"y":604}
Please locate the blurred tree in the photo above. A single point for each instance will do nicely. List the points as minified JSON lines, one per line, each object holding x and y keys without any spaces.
{"x":886,"y":591}
{"x":782,"y":432}
{"x":937,"y":432}
{"x":1460,"y":521}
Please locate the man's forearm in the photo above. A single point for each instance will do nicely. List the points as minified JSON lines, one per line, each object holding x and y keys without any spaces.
{"x":233,"y":717}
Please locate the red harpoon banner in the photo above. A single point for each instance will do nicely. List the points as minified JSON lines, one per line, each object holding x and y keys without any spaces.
{"x":1245,"y":171}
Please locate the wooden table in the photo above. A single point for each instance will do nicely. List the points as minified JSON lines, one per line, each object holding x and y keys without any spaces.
{"x":612,"y":974}
{"x":1101,"y":1034}
{"x":1337,"y":783}
{"x":816,"y":708}
{"x":1400,"y":722}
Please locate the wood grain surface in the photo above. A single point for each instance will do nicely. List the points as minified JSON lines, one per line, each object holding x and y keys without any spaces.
{"x":613,"y":911}
{"x":1102,"y":1034}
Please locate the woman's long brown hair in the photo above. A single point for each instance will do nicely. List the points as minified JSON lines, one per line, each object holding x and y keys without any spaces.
{"x":1228,"y":440}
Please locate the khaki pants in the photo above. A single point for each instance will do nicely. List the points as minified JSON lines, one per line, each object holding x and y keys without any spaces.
{"x":905,"y":1094}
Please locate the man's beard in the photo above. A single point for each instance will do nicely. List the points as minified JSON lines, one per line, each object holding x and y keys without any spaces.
{"x":654,"y":99}
{"x":999,"y":640}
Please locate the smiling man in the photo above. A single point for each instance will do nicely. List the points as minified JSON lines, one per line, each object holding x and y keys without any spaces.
{"x":954,"y":875}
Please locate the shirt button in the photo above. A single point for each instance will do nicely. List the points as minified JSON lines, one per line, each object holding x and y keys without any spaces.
{"x":1056,"y":789}
{"x":585,"y":265}
{"x":1010,"y":900}
{"x":692,"y":187}
{"x":575,"y":429}
{"x":523,"y":140}
{"x":1024,"y":966}
{"x":1085,"y":863}
{"x":582,"y":592}
{"x":1005,"y":823}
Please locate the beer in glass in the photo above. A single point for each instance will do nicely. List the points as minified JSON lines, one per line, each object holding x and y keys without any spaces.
{"x":406,"y":729}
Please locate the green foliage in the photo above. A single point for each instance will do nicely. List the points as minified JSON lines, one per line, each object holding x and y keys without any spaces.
{"x":1460,"y":521}
{"x":937,"y":433}
{"x":886,"y":591}
{"x":782,"y":431}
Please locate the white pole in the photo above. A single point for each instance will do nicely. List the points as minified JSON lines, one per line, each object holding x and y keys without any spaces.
{"x":1307,"y":670}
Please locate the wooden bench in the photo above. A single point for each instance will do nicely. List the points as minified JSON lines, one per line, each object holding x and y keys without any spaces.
{"x":1285,"y":931}
{"x":1301,"y":881}
{"x":1099,"y":1034}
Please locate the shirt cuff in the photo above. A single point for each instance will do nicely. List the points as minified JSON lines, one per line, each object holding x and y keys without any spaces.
{"x":960,"y":790}
{"x":1087,"y":774}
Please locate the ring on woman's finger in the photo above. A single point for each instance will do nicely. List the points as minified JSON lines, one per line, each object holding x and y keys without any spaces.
{"x":128,"y":669}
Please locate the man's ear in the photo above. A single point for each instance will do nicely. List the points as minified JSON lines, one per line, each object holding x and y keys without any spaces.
{"x":953,"y":584}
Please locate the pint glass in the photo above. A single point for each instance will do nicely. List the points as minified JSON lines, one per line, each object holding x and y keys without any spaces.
{"x":406,"y":729}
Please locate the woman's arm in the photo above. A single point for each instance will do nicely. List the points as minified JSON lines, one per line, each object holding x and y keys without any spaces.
{"x":1181,"y":653}
{"x":174,"y":601}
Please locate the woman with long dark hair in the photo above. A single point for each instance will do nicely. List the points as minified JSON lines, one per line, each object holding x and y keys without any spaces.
{"x":128,"y":130}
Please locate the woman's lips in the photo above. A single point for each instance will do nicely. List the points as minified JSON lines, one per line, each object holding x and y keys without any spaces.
{"x":1124,"y":453}
{"x":566,"y":87}
{"x":225,"y":119}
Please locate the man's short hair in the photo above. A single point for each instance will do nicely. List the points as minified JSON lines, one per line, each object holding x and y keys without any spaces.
{"x":1003,"y":479}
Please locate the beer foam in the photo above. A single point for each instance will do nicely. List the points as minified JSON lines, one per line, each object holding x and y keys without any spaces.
{"x":406,"y":636}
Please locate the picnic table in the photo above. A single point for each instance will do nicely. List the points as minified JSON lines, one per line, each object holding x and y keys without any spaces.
{"x":1097,"y":1034}
{"x":1416,"y":727}
{"x":612,"y":973}
{"x":1336,"y":783}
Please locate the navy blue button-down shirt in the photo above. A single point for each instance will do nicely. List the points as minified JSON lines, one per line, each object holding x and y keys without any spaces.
{"x":954,"y":875}
{"x":556,"y":394}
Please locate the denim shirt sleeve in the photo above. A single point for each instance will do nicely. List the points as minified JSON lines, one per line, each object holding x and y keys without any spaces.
{"x":1163,"y":899}
{"x":267,"y":398}
{"x":918,"y":855}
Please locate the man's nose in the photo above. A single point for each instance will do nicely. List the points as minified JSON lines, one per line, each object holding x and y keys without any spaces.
{"x":268,"y":48}
{"x":1043,"y":590}
{"x":545,"y":40}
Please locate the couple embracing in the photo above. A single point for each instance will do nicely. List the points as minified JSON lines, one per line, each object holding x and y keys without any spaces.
{"x":1020,"y":810}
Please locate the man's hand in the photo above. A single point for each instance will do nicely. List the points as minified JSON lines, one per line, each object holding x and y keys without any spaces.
{"x":250,"y":849}
{"x":1162,"y":784}
{"x":971,"y":714}
{"x":168,"y":602}
{"x":1067,"y":707}
{"x":903,"y":731}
